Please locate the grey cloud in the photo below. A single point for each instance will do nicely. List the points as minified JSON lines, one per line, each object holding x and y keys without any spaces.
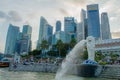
{"x":11,"y":16}
{"x":2,"y":14}
{"x":14,"y":16}
{"x":77,"y":2}
{"x":64,"y":12}
{"x":80,"y":2}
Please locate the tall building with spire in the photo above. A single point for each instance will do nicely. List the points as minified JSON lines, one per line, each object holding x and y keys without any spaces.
{"x":93,"y":21}
{"x":105,"y":27}
{"x":11,"y":39}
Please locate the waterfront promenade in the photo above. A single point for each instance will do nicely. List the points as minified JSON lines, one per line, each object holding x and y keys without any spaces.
{"x":111,"y":71}
{"x":37,"y":67}
{"x":108,"y":71}
{"x":24,"y":75}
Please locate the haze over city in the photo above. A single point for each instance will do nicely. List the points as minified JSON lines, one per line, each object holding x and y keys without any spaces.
{"x":20,"y":12}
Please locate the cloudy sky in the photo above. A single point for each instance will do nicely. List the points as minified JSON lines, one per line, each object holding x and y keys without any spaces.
{"x":20,"y":12}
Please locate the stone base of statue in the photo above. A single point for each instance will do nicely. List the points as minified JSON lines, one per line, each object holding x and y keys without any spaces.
{"x":89,"y":69}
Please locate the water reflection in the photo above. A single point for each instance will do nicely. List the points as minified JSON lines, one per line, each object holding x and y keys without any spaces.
{"x":72,"y":77}
{"x":6,"y":75}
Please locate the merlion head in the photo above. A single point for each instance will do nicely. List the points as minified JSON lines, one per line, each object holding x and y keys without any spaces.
{"x":90,"y":41}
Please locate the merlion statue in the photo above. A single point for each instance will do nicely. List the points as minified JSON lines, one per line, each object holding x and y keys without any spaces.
{"x":91,"y":47}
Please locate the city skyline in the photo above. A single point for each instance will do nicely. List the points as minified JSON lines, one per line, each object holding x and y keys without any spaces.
{"x":20,"y":13}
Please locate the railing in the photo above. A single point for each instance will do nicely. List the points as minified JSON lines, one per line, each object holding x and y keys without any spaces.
{"x":41,"y":67}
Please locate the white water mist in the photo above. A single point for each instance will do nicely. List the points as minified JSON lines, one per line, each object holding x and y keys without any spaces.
{"x":73,"y":58}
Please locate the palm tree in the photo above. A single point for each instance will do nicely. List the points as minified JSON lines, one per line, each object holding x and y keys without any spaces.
{"x":99,"y":56}
{"x":59,"y":46}
{"x":72,"y":42}
{"x":44,"y":46}
{"x":85,"y":54}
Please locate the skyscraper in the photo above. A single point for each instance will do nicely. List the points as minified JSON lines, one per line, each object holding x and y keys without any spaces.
{"x":82,"y":27}
{"x":42,"y":30}
{"x":60,"y":35}
{"x":79,"y":32}
{"x":11,"y":39}
{"x":53,"y":39}
{"x":69,"y":28}
{"x":69,"y":25}
{"x":49,"y":34}
{"x":23,"y":44}
{"x":58,"y":26}
{"x":105,"y":27}
{"x":27,"y":29}
{"x":93,"y":21}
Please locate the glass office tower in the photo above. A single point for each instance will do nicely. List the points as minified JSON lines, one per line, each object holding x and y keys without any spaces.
{"x":83,"y":24}
{"x":11,"y":39}
{"x":70,"y":28}
{"x":27,"y":29}
{"x":49,"y":34}
{"x":93,"y":20}
{"x":58,"y":26}
{"x":105,"y":27}
{"x":69,"y":24}
{"x":42,"y":29}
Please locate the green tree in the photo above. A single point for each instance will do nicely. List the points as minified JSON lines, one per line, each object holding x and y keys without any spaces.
{"x":114,"y":56}
{"x":99,"y":56}
{"x":52,"y":53}
{"x":35,"y":52}
{"x":85,"y":54}
{"x":59,"y":46}
{"x":72,"y":42}
{"x":44,"y":45}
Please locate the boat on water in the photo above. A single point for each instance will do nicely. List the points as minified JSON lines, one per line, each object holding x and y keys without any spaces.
{"x":4,"y":62}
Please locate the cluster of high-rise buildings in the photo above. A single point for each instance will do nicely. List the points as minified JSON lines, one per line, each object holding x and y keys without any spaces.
{"x":18,"y":42}
{"x":91,"y":25}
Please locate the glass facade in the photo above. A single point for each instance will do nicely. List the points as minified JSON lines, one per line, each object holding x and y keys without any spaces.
{"x":58,"y":26}
{"x":93,"y":20}
{"x":79,"y":32}
{"x":105,"y":27}
{"x":53,"y":39}
{"x":42,"y":30}
{"x":69,"y":25}
{"x":12,"y":35}
{"x":60,"y":35}
{"x":27,"y":29}
{"x":24,"y":43}
{"x":69,"y":28}
{"x":49,"y":34}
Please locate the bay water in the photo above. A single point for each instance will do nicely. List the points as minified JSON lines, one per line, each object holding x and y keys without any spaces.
{"x":5,"y":74}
